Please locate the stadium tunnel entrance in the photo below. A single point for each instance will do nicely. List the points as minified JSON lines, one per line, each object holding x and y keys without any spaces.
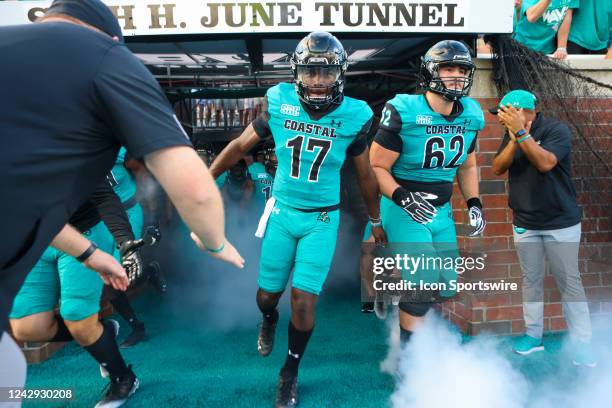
{"x":232,"y":67}
{"x":216,"y":83}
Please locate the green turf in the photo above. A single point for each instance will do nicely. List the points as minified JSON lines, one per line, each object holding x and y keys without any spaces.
{"x":185,"y":364}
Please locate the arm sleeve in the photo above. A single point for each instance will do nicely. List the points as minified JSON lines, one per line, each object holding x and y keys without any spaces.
{"x":112,"y":212}
{"x":134,"y":105}
{"x":260,"y":124}
{"x":361,"y":141}
{"x":389,"y":128}
{"x":473,"y":145}
{"x":558,"y":141}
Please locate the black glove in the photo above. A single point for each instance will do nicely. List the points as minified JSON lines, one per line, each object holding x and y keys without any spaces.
{"x":130,"y":259}
{"x":152,"y":234}
{"x":477,"y":219}
{"x":416,"y":204}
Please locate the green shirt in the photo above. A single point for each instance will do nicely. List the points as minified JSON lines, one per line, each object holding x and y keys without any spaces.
{"x":540,"y":35}
{"x":591,"y":24}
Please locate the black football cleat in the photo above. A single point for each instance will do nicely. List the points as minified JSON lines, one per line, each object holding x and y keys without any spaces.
{"x":265,"y":340}
{"x":157,"y":278}
{"x":119,"y":390}
{"x":286,"y":394}
{"x":136,"y":336}
{"x":367,"y":307}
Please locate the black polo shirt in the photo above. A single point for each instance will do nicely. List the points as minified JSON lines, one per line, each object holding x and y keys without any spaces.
{"x":544,"y":201}
{"x":69,"y":97}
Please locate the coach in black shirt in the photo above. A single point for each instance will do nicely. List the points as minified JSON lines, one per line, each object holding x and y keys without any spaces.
{"x":71,"y":94}
{"x":536,"y":152}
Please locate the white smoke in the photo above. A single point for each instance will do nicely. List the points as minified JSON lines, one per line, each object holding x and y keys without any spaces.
{"x":213,"y":293}
{"x":438,"y":370}
{"x":390,"y":364}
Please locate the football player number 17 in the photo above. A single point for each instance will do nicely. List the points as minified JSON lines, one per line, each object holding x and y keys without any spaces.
{"x":322,"y":147}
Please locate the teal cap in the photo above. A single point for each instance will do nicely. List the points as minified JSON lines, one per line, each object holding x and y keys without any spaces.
{"x":518,"y":98}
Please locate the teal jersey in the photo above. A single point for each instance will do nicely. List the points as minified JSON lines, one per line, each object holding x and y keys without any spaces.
{"x":431,"y":146}
{"x":121,"y":179}
{"x":262,"y":181}
{"x":540,"y":35}
{"x":220,"y":181}
{"x":310,"y":152}
{"x":591,"y":24}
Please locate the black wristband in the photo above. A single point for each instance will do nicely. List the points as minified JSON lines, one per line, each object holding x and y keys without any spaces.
{"x":399,"y":195}
{"x":83,"y":257}
{"x":474,"y":202}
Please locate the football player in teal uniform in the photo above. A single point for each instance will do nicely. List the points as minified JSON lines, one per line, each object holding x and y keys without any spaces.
{"x":262,"y":176}
{"x":59,"y":279}
{"x":424,"y":141}
{"x":314,"y":127}
{"x":123,"y":183}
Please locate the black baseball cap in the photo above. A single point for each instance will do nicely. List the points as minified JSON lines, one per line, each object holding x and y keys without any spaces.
{"x":92,"y":12}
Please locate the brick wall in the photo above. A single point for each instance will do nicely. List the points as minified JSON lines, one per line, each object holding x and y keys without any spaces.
{"x":502,"y":312}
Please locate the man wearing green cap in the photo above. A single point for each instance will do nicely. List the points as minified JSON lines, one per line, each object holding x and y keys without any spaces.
{"x":536,"y":152}
{"x":541,"y":20}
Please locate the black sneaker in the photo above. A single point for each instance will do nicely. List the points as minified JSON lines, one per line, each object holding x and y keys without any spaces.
{"x":367,"y":307}
{"x":286,"y":394}
{"x":157,"y":278}
{"x":119,"y":390}
{"x":136,"y":336}
{"x":265,"y":340}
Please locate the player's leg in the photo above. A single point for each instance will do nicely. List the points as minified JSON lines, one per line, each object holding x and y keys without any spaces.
{"x":81,"y":289}
{"x":365,"y":270}
{"x":408,"y":237}
{"x":444,"y":237}
{"x":32,"y":317}
{"x":118,"y":299}
{"x":313,"y":258}
{"x":277,"y":259}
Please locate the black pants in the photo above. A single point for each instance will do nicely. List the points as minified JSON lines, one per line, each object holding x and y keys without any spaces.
{"x":573,"y":48}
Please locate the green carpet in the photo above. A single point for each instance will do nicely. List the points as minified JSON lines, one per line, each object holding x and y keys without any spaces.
{"x":183,"y":363}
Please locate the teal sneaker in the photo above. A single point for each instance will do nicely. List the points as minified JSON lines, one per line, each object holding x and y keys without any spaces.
{"x":583,"y":355}
{"x":526,"y":345}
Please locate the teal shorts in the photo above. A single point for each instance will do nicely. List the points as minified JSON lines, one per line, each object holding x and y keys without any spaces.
{"x":302,"y":241}
{"x":435,"y":243}
{"x":60,"y":277}
{"x":136,"y":218}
